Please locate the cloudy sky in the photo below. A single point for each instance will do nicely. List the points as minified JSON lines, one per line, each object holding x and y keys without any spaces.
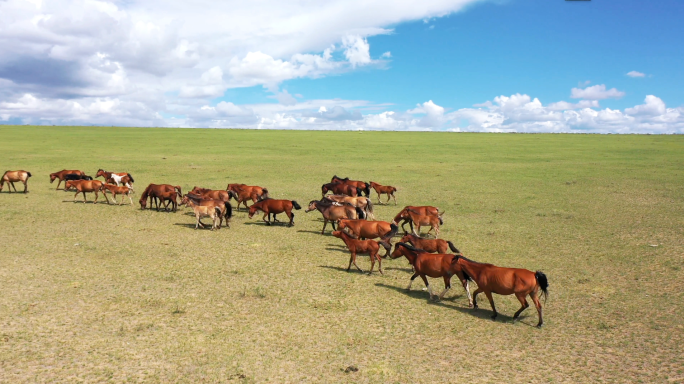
{"x":460,"y":65}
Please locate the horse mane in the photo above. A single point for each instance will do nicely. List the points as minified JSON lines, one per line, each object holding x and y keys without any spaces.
{"x":411,"y":248}
{"x":470,"y":261}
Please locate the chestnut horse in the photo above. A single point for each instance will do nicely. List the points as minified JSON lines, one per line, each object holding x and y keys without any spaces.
{"x":216,"y":194}
{"x":423,"y":210}
{"x":116,"y":190}
{"x":338,"y":188}
{"x":61,"y":174}
{"x":160,"y":193}
{"x":244,"y":193}
{"x":124,"y":178}
{"x":83,"y":186}
{"x":364,"y":229}
{"x":433,"y":265}
{"x":506,"y":281}
{"x":363,"y":246}
{"x":384,"y":189}
{"x":10,"y":177}
{"x":332,"y":211}
{"x":430,"y":245}
{"x":226,"y":208}
{"x":358,"y":201}
{"x":420,"y":220}
{"x":274,"y":206}
{"x":362,"y":185}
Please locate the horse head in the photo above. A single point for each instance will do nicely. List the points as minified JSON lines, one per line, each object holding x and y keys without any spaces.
{"x":100,"y":172}
{"x":312,"y":206}
{"x":53,"y":176}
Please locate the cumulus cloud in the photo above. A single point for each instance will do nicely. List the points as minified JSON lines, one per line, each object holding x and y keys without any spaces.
{"x":635,"y":74}
{"x":596,"y":92}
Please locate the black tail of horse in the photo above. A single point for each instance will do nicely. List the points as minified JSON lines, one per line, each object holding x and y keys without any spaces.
{"x":131,"y":177}
{"x":388,"y":247}
{"x":543,"y":283}
{"x":28,"y":174}
{"x":369,"y":205}
{"x":296,"y":205}
{"x":229,"y":210}
{"x":360,"y":213}
{"x":367,"y":190}
{"x":265,"y":195}
{"x":453,"y":247}
{"x":359,"y":192}
{"x":393,"y":231}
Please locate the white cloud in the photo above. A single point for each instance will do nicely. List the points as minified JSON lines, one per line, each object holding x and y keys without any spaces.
{"x":596,"y":92}
{"x":434,"y":114}
{"x":356,"y":50}
{"x":635,"y":74}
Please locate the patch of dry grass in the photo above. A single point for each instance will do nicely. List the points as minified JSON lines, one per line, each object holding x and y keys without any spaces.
{"x":106,"y":293}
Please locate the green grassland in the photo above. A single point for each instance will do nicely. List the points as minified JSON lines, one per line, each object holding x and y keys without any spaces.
{"x":97,"y":293}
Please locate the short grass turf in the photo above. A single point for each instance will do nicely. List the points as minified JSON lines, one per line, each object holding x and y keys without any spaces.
{"x":103,"y":293}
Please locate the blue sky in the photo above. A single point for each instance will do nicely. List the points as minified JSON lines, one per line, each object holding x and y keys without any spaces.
{"x":452,"y":65}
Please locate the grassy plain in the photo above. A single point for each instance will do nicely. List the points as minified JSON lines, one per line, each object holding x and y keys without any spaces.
{"x":98,"y":293}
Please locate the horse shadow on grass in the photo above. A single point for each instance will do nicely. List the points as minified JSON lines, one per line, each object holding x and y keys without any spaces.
{"x":353,"y":269}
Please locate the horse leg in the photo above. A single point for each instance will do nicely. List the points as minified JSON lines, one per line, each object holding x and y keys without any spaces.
{"x":379,"y":262}
{"x":325,"y":223}
{"x":77,"y":192}
{"x":84,"y":198}
{"x":523,"y":302}
{"x":265,"y":220}
{"x":388,"y":197}
{"x":491,"y":302}
{"x":25,"y":186}
{"x":427,"y":284}
{"x":414,"y":229}
{"x":379,"y":201}
{"x":411,"y":282}
{"x":466,"y":287}
{"x":395,"y":199}
{"x":12,"y":184}
{"x":96,"y":196}
{"x":447,"y":286}
{"x":372,"y":259}
{"x":537,"y":304}
{"x":197,"y":216}
{"x":477,"y":291}
{"x":354,"y":260}
{"x":59,"y":181}
{"x":291,"y":216}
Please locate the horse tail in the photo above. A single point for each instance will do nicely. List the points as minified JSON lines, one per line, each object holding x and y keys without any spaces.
{"x":360,"y":213}
{"x":543,"y":283}
{"x":367,"y":189}
{"x":229,"y":209}
{"x":453,"y":247}
{"x":439,"y":216}
{"x":359,"y":191}
{"x":393,"y":231}
{"x":296,"y":205}
{"x":265,"y":194}
{"x":386,"y":244}
{"x":131,"y":177}
{"x":28,"y":174}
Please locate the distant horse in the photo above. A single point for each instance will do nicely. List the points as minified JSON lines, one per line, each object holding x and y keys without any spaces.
{"x":61,"y":174}
{"x":421,"y":220}
{"x":433,"y":265}
{"x":364,"y":229}
{"x":423,"y":210}
{"x":116,"y":190}
{"x":216,"y":194}
{"x":358,"y":201}
{"x":83,"y":186}
{"x":224,"y":206}
{"x":362,"y":185}
{"x":505,"y":281}
{"x":362,"y":246}
{"x":384,"y":189}
{"x":214,"y":212}
{"x":124,"y":178}
{"x":338,"y":188}
{"x":10,"y":177}
{"x":244,"y":193}
{"x":430,"y":245}
{"x":160,"y":193}
{"x":274,"y":206}
{"x":334,"y":211}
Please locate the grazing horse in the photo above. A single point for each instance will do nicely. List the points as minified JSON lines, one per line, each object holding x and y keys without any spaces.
{"x":61,"y":174}
{"x":362,"y":185}
{"x":364,"y":229}
{"x":363,"y":246}
{"x":433,"y":265}
{"x":423,"y":210}
{"x":243,"y":193}
{"x":116,"y":190}
{"x":160,"y":193}
{"x":214,"y":212}
{"x":384,"y":189}
{"x":430,"y":245}
{"x":124,"y":178}
{"x":338,"y":188}
{"x":359,"y":201}
{"x":83,"y":186}
{"x":334,"y":211}
{"x":226,"y":208}
{"x":10,"y":177}
{"x":505,"y":281}
{"x":274,"y":206}
{"x":420,"y":220}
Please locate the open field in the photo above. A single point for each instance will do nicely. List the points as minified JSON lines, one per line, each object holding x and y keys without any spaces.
{"x":111,"y":293}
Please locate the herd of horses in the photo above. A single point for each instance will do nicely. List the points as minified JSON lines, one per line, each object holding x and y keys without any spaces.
{"x":351,"y":216}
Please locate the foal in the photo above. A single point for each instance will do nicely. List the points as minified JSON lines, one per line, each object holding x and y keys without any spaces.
{"x":10,"y":177}
{"x":116,"y":190}
{"x":384,"y":189}
{"x":204,"y":211}
{"x":363,"y":246}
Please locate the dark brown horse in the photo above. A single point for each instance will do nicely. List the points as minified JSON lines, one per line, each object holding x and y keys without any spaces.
{"x":362,"y":185}
{"x":422,"y":210}
{"x":160,"y":193}
{"x":506,"y":281}
{"x":60,"y":175}
{"x":362,"y":246}
{"x":83,"y":186}
{"x":274,"y":206}
{"x":334,"y":211}
{"x":338,"y":188}
{"x":433,"y":265}
{"x":10,"y":177}
{"x":430,"y":245}
{"x":224,"y":206}
{"x":385,"y":190}
{"x":364,"y":229}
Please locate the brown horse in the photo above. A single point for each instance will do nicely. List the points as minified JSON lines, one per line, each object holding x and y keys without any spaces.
{"x":363,"y":246}
{"x":384,"y":189}
{"x":433,"y":265}
{"x":421,"y":220}
{"x":274,"y":206}
{"x":216,"y":194}
{"x":224,"y":206}
{"x":243,"y":193}
{"x":506,"y":281}
{"x":10,"y":177}
{"x":362,"y":185}
{"x":160,"y":193}
{"x":124,"y":178}
{"x":422,"y":210}
{"x":61,"y":174}
{"x":213,"y":212}
{"x":358,"y":201}
{"x":332,"y":212}
{"x":83,"y":186}
{"x":116,"y":190}
{"x":338,"y":188}
{"x":430,"y":245}
{"x":364,"y":229}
